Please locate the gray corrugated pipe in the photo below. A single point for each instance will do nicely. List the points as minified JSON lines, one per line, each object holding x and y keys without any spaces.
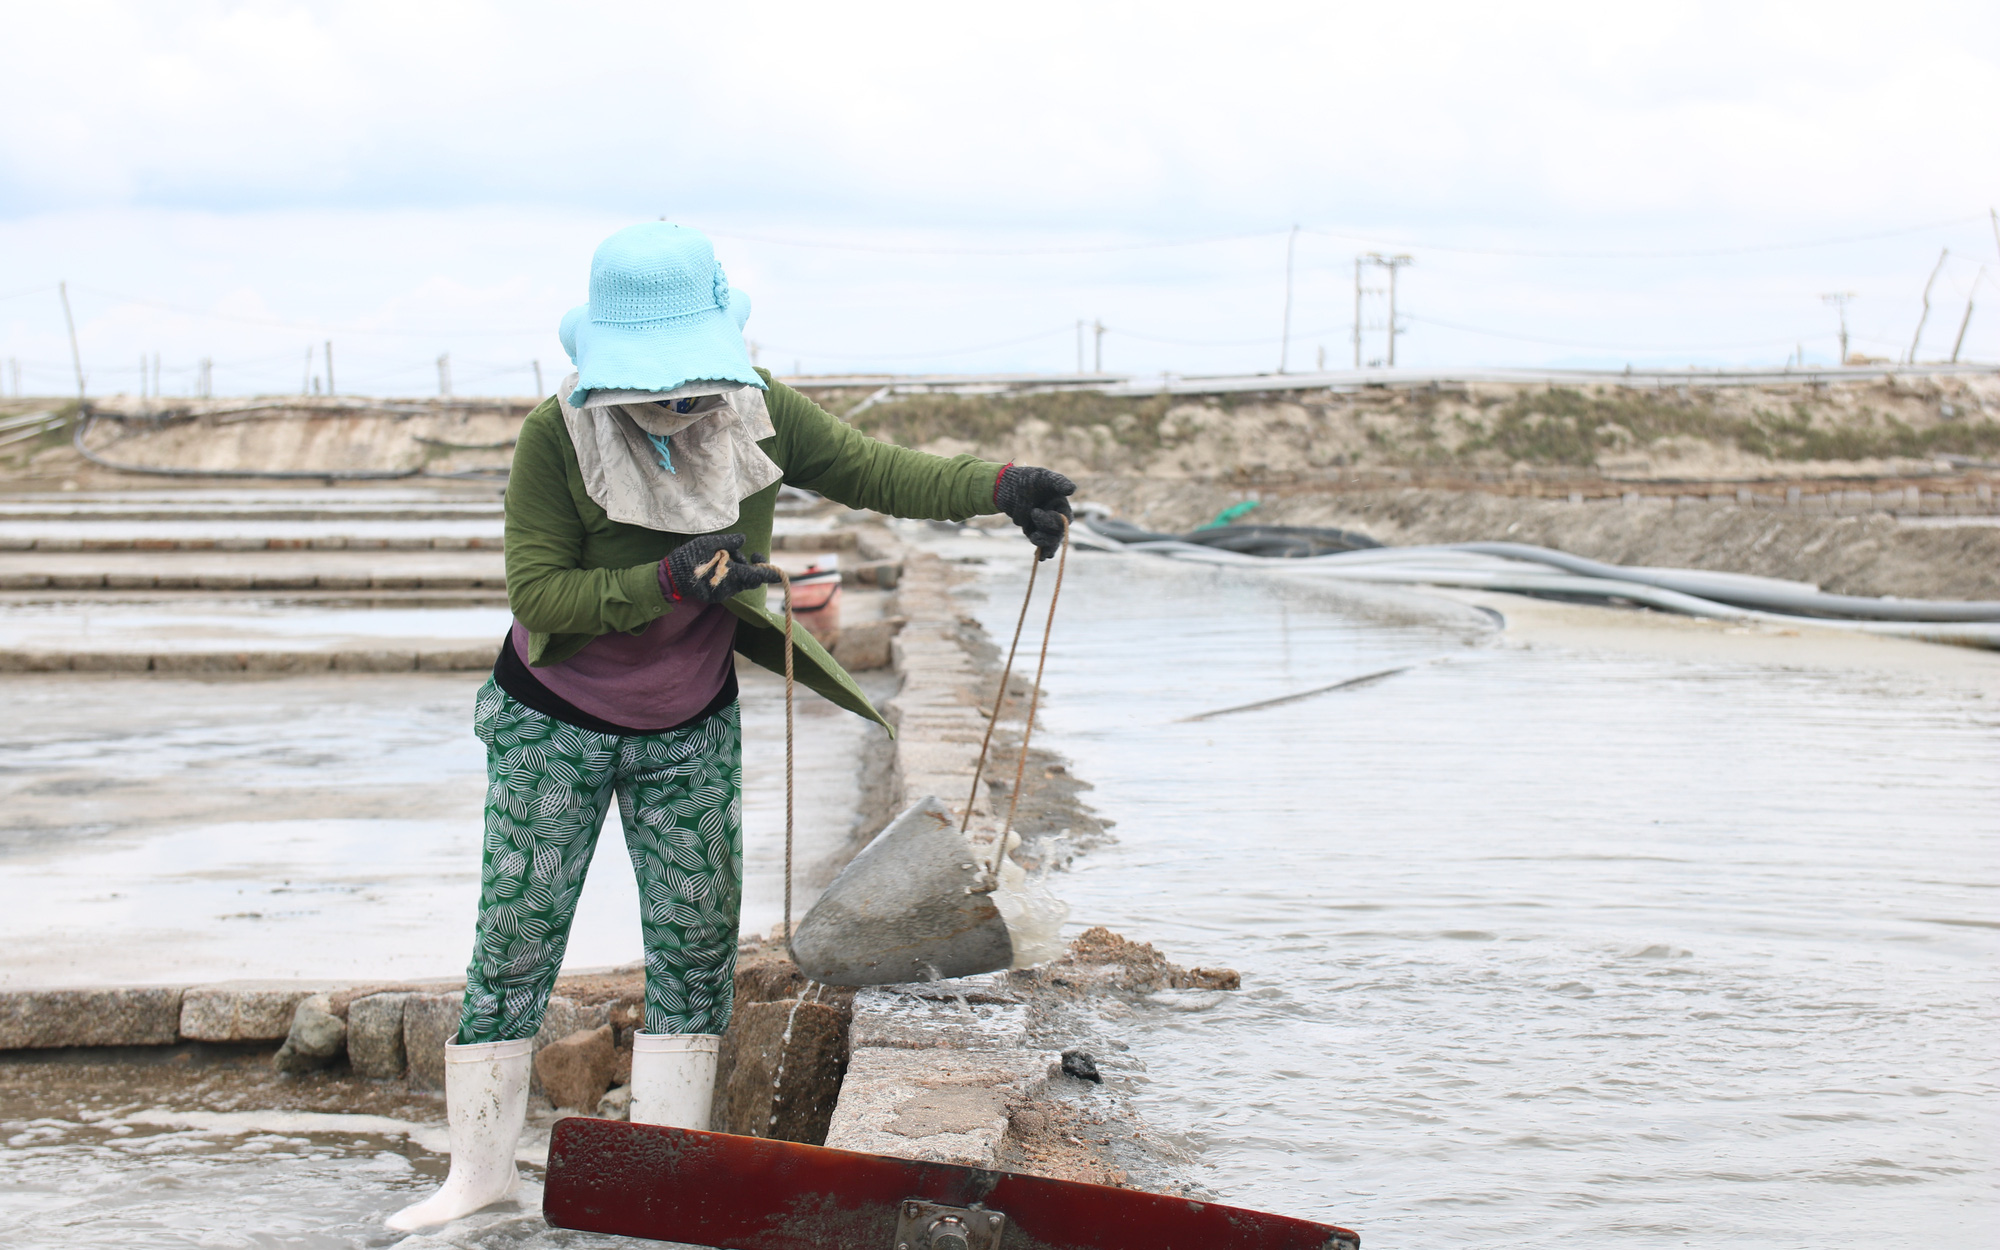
{"x":1770,"y":597}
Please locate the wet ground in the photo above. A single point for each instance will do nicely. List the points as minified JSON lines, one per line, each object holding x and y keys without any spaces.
{"x":1557,"y":937}
{"x":162,"y":830}
{"x":1607,"y":930}
{"x":206,"y":1146}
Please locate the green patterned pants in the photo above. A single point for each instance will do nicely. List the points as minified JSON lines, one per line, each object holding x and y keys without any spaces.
{"x":548,"y":787}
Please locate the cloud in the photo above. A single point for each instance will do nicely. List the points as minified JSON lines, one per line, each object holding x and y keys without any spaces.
{"x":426,"y":177}
{"x":1126,"y":116}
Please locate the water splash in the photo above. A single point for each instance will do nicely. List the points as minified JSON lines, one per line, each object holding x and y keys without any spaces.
{"x":1033,"y":913}
{"x":784,"y":1046}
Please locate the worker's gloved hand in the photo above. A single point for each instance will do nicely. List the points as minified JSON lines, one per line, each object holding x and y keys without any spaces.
{"x":712,"y":568}
{"x":1037,"y":500}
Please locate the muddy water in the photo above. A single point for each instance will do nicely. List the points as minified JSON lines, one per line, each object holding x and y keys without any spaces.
{"x":1539,"y":945}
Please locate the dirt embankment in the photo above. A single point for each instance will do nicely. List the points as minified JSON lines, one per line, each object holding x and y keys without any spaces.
{"x":437,"y":437}
{"x":1800,"y":482}
{"x":1474,"y":433}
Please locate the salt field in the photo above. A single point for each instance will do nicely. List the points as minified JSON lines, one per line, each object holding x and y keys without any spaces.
{"x":1544,"y":944}
{"x":1603,"y":928}
{"x":337,"y":819}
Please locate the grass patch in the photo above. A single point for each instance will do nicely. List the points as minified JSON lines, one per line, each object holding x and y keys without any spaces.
{"x":1567,"y":427}
{"x":988,"y":420}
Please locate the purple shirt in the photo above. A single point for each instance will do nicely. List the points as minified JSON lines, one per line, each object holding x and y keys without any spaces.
{"x":662,"y":675}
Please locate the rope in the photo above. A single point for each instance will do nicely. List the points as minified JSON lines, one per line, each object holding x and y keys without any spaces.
{"x":719,"y":565}
{"x":785,"y":579}
{"x":1034,"y":696}
{"x":1000,"y":701}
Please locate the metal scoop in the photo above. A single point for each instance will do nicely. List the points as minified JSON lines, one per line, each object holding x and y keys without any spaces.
{"x":914,"y":905}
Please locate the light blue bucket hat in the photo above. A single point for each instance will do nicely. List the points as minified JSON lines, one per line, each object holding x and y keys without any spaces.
{"x":661,"y":315}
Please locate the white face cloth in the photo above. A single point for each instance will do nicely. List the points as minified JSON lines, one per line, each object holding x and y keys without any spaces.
{"x":713,"y":448}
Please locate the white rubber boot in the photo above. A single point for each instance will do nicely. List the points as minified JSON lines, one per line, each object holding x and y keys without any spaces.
{"x":673,"y":1078}
{"x":486,"y":1103}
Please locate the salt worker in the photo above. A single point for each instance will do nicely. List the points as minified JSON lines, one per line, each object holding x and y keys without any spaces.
{"x":638,"y":511}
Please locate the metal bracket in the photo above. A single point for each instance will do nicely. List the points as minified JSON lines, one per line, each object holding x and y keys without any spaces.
{"x":922,"y":1225}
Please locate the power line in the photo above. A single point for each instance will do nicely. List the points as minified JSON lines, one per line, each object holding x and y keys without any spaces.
{"x":1536,"y":254}
{"x":1349,"y":236}
{"x":1616,"y":347}
{"x":316,"y":327}
{"x":1071,"y":250}
{"x":962,"y":351}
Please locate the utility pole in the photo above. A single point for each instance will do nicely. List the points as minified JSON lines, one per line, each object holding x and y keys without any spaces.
{"x":444,"y":375}
{"x":75,"y":356}
{"x":1358,"y":261}
{"x":206,"y":383}
{"x":1959,"y":343}
{"x":538,"y":375}
{"x":145,"y":370}
{"x":156,"y":377}
{"x":1079,"y":345}
{"x":15,"y":362}
{"x":329,"y":366}
{"x":1285,"y":344}
{"x":1925,"y":315}
{"x":1839,"y":300}
{"x":306,"y":378}
{"x":1392,"y":264}
{"x":1098,"y":359}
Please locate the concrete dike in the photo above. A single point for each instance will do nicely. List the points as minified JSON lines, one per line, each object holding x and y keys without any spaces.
{"x":1016,"y":1069}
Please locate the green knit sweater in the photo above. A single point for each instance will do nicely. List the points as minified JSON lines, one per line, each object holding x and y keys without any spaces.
{"x":574,"y":574}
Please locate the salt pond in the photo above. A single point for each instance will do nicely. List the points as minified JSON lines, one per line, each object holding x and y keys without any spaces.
{"x":1543,"y":944}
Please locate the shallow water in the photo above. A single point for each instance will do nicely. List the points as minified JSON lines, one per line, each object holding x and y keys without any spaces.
{"x":298,"y":1181}
{"x":203,"y":624}
{"x":1540,"y":946}
{"x":164,"y":830}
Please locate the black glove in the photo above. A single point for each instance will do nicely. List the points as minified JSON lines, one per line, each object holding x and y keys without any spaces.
{"x":711,"y":569}
{"x":1037,"y":500}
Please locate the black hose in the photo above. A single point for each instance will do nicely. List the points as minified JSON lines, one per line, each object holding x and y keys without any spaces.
{"x":1281,"y":542}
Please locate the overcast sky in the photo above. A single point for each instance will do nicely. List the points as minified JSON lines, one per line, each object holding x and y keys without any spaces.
{"x":951,"y":188}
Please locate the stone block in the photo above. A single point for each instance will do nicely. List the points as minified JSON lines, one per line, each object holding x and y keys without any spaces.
{"x":778,"y":1074}
{"x":429,"y":1022}
{"x":318,"y":1038}
{"x":577,"y":1071}
{"x":40,"y":1019}
{"x":374,"y":661}
{"x":375,"y":1036}
{"x":460,"y":660}
{"x":199,"y":662}
{"x":885,"y":1017}
{"x":286,"y":662}
{"x":241,"y":1011}
{"x":110,"y":662}
{"x":616,"y":1104}
{"x":941,"y":1106}
{"x":34,"y":662}
{"x":865,"y":645}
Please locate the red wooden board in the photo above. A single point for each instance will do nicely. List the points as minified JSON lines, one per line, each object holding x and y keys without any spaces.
{"x":746,"y":1193}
